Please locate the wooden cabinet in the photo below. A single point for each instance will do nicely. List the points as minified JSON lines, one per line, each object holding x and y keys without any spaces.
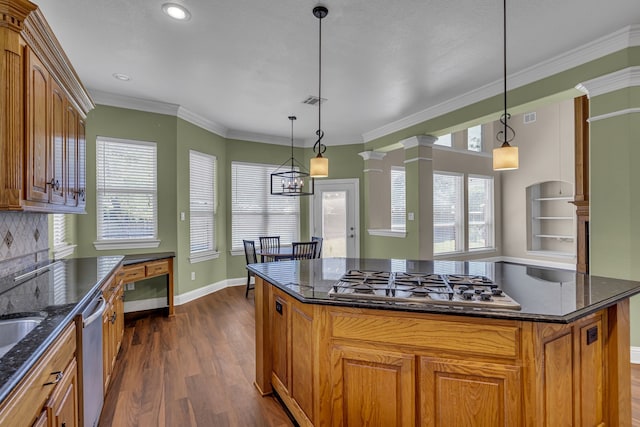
{"x":62,"y":408}
{"x":112,"y":326}
{"x":41,"y":127}
{"x":48,"y":394}
{"x":343,"y":366}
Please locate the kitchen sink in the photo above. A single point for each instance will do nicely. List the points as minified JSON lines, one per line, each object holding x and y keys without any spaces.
{"x":13,"y":330}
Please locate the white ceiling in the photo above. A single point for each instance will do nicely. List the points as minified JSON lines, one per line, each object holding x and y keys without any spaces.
{"x":248,"y":64}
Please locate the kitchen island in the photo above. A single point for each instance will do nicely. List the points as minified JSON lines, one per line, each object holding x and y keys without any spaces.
{"x":560,"y":357}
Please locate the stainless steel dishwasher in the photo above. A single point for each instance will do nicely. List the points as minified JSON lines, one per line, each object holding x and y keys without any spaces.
{"x":92,"y":391}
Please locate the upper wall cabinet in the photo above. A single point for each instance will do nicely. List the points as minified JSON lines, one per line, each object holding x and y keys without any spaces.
{"x":43,"y":106}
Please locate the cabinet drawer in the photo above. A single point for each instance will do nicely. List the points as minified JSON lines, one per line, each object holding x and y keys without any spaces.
{"x":25,"y":403}
{"x":157,"y":268}
{"x":132,"y":273}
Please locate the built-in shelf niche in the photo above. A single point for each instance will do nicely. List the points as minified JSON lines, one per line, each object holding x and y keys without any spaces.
{"x":551,"y":228}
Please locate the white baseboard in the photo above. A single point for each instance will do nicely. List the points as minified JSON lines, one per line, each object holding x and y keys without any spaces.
{"x":155,"y":303}
{"x":635,"y":355}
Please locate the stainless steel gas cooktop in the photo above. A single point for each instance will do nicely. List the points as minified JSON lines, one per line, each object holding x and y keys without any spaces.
{"x":422,"y":288}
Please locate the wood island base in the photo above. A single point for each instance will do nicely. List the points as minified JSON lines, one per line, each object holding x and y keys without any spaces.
{"x":343,"y":366}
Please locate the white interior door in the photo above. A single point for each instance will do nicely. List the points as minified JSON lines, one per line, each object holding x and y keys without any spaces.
{"x":335,"y":217}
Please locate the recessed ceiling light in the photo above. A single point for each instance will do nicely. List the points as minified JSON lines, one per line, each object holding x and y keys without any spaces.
{"x":121,"y":77}
{"x":176,"y":11}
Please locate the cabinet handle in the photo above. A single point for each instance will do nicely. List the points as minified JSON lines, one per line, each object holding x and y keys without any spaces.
{"x":55,"y":184}
{"x":58,"y":375}
{"x":113,"y":318}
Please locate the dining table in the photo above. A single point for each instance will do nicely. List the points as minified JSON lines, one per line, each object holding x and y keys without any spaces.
{"x":276,"y":254}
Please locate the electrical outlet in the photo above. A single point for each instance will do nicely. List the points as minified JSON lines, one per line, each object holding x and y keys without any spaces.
{"x":182,"y":216}
{"x":193,"y":275}
{"x":131,"y":286}
{"x":411,"y":216}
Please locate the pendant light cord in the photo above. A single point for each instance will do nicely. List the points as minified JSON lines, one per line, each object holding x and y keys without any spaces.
{"x":503,"y":135}
{"x":318,"y":146}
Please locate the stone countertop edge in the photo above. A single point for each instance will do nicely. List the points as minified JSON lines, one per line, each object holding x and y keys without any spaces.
{"x":58,"y":318}
{"x":454,"y":310}
{"x":140,"y":258}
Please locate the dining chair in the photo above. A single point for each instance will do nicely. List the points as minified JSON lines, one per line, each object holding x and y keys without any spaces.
{"x":268,"y":243}
{"x":318,"y":246}
{"x":303,"y":250}
{"x":250,"y":256}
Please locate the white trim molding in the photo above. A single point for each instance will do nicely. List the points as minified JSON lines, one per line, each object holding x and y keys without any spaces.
{"x":372,"y":170}
{"x":107,"y":245}
{"x":635,"y":355}
{"x":387,"y":233}
{"x":129,"y":102}
{"x":203,"y":256}
{"x":614,"y":114}
{"x":617,"y":80}
{"x":418,"y":141}
{"x":155,"y":303}
{"x":372,"y":155}
{"x":415,"y":159}
{"x":202,"y":122}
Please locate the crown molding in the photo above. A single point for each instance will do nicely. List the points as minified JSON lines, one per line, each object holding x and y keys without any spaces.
{"x":263,"y":138}
{"x":202,"y":122}
{"x":626,"y":37}
{"x":614,"y":114}
{"x":611,"y":82}
{"x":129,"y":102}
{"x":372,"y":155}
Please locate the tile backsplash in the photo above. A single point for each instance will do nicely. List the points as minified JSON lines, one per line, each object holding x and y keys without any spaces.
{"x":24,"y":240}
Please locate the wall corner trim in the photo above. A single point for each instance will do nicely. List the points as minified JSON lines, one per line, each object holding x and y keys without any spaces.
{"x":372,"y":155}
{"x":419,"y":141}
{"x":617,"y":80}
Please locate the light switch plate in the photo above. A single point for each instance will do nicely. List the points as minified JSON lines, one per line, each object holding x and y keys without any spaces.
{"x":182,"y":216}
{"x":131,"y":286}
{"x":410,"y":216}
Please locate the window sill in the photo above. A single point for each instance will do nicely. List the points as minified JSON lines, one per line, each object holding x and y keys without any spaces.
{"x":445,"y":255}
{"x":203,"y":256}
{"x":387,"y":233}
{"x":105,"y":245}
{"x":63,"y":251}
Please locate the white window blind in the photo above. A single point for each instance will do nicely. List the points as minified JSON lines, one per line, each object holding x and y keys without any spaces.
{"x":448,"y":227}
{"x":59,"y":230}
{"x":398,"y":198}
{"x":126,"y":190}
{"x":444,"y":140}
{"x":480,"y":211}
{"x":255,"y":212}
{"x":474,"y":138}
{"x":202,"y":202}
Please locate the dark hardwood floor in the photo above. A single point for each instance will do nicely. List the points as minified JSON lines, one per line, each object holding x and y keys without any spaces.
{"x":197,"y":369}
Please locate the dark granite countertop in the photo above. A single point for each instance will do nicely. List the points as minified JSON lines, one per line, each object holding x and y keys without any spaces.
{"x":545,"y":294}
{"x":58,"y":294}
{"x":140,"y":258}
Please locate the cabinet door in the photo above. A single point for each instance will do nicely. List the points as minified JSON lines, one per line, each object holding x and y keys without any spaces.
{"x":119,"y":313}
{"x":38,"y":174}
{"x":82,"y":167}
{"x":280,"y":338}
{"x":42,"y":421}
{"x":63,"y":406}
{"x":71,"y":157}
{"x":468,"y":393}
{"x":106,"y":347}
{"x":373,"y":387}
{"x":58,"y":102}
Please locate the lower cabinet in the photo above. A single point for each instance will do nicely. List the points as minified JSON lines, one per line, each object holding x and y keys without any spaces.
{"x":112,"y":326}
{"x":342,"y":366}
{"x":48,"y":394}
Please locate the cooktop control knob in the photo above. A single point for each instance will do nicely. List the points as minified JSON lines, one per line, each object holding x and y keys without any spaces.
{"x":496,"y":292}
{"x":468,"y":295}
{"x":485,"y":296}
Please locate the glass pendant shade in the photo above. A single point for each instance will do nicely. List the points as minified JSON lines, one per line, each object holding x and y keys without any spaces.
{"x":319,"y":167}
{"x":505,"y":158}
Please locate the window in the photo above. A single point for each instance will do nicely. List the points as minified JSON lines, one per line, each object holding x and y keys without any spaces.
{"x":474,"y":138}
{"x":255,"y":212}
{"x":202,"y":205}
{"x":61,"y":246}
{"x":444,"y":140}
{"x":126,"y":192}
{"x":480,"y":211}
{"x":447,"y":213}
{"x":398,"y":198}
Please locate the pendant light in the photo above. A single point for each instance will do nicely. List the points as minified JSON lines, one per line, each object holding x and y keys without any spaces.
{"x":506,"y":157}
{"x":319,"y":165}
{"x":291,"y":178}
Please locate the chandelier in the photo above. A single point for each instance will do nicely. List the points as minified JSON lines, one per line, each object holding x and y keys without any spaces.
{"x":291,"y":178}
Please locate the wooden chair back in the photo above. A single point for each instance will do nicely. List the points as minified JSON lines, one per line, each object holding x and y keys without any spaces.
{"x":318,"y":246}
{"x":303,"y":250}
{"x":269,"y":242}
